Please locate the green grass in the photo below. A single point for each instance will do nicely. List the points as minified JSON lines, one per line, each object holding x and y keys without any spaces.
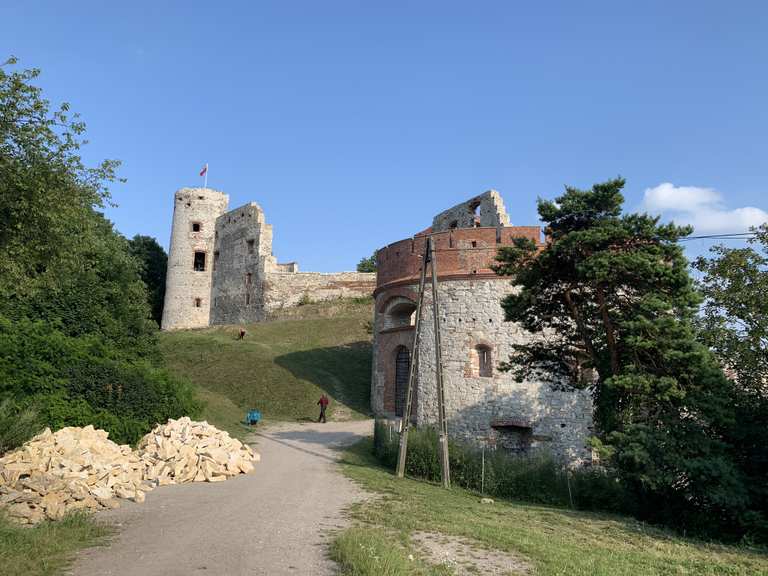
{"x":555,"y":541}
{"x":282,"y":366}
{"x":47,"y":548}
{"x":366,"y":551}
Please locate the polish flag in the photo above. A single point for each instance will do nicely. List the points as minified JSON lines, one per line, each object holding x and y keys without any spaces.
{"x":204,"y":170}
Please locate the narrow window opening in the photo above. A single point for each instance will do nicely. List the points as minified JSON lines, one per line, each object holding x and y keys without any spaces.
{"x":215,"y":259}
{"x":402,"y":370}
{"x":484,"y":361}
{"x":251,"y":244}
{"x":199,"y":265}
{"x":474,"y":244}
{"x":247,"y":298}
{"x":198,"y":302}
{"x":196,"y":227}
{"x":473,"y":209}
{"x":248,"y":279}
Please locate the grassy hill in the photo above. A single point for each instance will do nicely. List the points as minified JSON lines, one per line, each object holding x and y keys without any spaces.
{"x":282,"y":366}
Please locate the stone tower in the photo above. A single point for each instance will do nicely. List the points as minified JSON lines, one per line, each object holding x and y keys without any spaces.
{"x":190,"y":258}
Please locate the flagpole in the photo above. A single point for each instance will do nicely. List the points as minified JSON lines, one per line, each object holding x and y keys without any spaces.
{"x":206,"y":176}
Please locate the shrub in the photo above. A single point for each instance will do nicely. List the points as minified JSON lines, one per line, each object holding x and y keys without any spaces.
{"x":17,"y":425}
{"x":537,"y":478}
{"x":76,"y":381}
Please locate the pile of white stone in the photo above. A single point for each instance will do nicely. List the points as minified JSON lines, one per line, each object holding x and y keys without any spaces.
{"x":80,"y":468}
{"x":186,"y":451}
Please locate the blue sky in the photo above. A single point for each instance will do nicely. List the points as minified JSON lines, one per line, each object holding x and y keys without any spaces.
{"x":353,"y":123}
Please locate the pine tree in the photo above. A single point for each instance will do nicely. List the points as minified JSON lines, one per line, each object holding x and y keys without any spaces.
{"x":612,"y":301}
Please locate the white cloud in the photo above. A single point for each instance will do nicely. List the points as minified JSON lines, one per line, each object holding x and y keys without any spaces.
{"x":703,"y":208}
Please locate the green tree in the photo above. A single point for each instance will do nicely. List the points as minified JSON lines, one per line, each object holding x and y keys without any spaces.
{"x":367,"y":264}
{"x":612,"y":301}
{"x":77,"y":342}
{"x":734,"y":324}
{"x":47,"y":194}
{"x":154,"y":262}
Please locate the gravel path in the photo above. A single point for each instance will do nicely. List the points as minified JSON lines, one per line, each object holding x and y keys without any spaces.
{"x":272,"y":521}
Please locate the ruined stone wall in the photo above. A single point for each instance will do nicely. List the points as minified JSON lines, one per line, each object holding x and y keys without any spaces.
{"x":486,"y":210}
{"x":188,"y":291}
{"x":249,"y":283}
{"x":286,"y":289}
{"x":242,"y":253}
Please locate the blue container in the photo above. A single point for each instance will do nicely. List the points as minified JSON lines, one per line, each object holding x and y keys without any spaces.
{"x":252,"y":417}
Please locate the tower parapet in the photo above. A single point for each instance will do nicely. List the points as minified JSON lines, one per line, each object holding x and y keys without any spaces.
{"x":190,"y":257}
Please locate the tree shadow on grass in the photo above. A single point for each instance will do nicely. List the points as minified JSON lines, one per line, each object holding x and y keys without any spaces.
{"x":342,"y":372}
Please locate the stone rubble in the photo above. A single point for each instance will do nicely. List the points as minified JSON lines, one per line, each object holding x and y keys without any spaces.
{"x":186,"y":451}
{"x":81,"y":469}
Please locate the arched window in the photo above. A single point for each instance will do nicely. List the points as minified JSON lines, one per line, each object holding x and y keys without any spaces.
{"x":484,"y":361}
{"x":399,"y":312}
{"x":402,"y":370}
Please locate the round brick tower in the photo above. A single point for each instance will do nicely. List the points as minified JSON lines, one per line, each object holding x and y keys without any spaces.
{"x":190,"y":257}
{"x":483,"y":404}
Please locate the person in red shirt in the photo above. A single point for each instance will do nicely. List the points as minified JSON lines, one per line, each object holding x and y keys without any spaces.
{"x":323,"y":405}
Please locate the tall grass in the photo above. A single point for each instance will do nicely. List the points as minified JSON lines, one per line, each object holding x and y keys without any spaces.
{"x":17,"y":425}
{"x":537,"y":478}
{"x":47,"y":548}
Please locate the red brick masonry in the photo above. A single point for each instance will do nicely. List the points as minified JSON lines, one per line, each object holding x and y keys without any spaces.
{"x":461,"y":253}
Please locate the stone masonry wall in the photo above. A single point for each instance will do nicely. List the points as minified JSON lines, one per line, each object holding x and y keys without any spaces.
{"x":243,"y":250}
{"x":480,"y":408}
{"x":188,"y":291}
{"x":287,"y":289}
{"x":248,"y":282}
{"x":486,"y":210}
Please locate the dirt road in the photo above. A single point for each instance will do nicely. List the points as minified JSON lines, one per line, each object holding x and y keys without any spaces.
{"x":272,"y":521}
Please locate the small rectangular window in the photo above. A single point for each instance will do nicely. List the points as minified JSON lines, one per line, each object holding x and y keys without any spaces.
{"x":248,"y":279}
{"x":247,"y":298}
{"x":215,"y":259}
{"x":250,"y":246}
{"x":199,"y":265}
{"x":198,"y":302}
{"x":196,"y":227}
{"x":484,"y":361}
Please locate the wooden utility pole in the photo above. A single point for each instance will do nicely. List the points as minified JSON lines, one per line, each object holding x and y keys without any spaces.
{"x":429,"y":257}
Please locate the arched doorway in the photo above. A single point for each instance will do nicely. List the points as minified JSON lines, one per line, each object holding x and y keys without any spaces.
{"x":402,"y":368}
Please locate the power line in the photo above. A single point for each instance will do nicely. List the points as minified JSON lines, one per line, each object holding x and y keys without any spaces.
{"x":729,"y":236}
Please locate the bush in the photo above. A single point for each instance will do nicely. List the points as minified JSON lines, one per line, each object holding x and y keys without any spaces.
{"x":76,"y":381}
{"x":537,"y":478}
{"x":17,"y":425}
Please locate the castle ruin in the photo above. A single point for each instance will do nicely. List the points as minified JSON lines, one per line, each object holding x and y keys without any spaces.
{"x":221,"y":269}
{"x":482,"y":403}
